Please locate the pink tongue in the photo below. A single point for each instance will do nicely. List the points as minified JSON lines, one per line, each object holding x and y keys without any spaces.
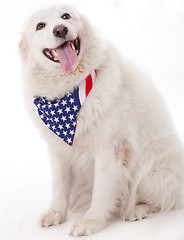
{"x":67,"y":57}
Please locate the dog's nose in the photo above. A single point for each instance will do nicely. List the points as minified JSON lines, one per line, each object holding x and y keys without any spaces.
{"x":60,"y":31}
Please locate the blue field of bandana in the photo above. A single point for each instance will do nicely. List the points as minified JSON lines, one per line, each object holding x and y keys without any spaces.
{"x":60,"y":115}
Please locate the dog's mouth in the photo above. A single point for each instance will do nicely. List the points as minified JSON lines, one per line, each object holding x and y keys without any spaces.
{"x":66,"y":54}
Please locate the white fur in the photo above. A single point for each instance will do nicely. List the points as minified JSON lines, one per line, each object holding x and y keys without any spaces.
{"x":126,"y":157}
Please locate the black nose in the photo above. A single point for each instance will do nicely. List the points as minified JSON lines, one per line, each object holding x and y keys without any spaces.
{"x":60,"y":31}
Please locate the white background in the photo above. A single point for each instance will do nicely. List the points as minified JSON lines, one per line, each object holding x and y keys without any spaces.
{"x":148,"y":32}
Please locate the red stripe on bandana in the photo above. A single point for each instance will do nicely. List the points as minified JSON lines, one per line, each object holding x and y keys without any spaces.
{"x":89,"y":84}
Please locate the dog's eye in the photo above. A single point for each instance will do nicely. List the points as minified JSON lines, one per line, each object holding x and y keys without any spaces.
{"x":66,"y":16}
{"x":40,"y":26}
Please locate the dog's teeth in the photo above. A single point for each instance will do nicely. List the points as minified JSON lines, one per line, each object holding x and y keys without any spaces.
{"x":72,"y":46}
{"x":54,"y":53}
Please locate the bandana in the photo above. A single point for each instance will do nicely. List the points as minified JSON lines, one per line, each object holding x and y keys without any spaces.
{"x":60,"y":115}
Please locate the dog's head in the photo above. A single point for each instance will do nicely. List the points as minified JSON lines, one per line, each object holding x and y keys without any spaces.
{"x":60,"y":41}
{"x":53,"y":38}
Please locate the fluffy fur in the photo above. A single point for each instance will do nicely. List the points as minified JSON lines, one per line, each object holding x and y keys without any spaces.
{"x":126,"y":158}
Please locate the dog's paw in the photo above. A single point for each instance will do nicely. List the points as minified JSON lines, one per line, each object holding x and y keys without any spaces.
{"x":51,"y":218}
{"x":84,"y":227}
{"x":138,"y":212}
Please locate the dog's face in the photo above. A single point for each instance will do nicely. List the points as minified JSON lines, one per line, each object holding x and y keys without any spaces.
{"x":54,"y":38}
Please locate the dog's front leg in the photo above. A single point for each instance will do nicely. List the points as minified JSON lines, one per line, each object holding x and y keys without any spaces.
{"x":106,"y":174}
{"x":60,"y":190}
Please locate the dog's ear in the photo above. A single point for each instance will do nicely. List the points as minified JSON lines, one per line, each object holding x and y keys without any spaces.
{"x":23,"y":47}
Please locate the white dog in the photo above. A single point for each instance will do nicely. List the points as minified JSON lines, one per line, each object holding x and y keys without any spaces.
{"x":125,"y":157}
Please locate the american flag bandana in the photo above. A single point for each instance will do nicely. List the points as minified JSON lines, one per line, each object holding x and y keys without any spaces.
{"x":60,"y":115}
